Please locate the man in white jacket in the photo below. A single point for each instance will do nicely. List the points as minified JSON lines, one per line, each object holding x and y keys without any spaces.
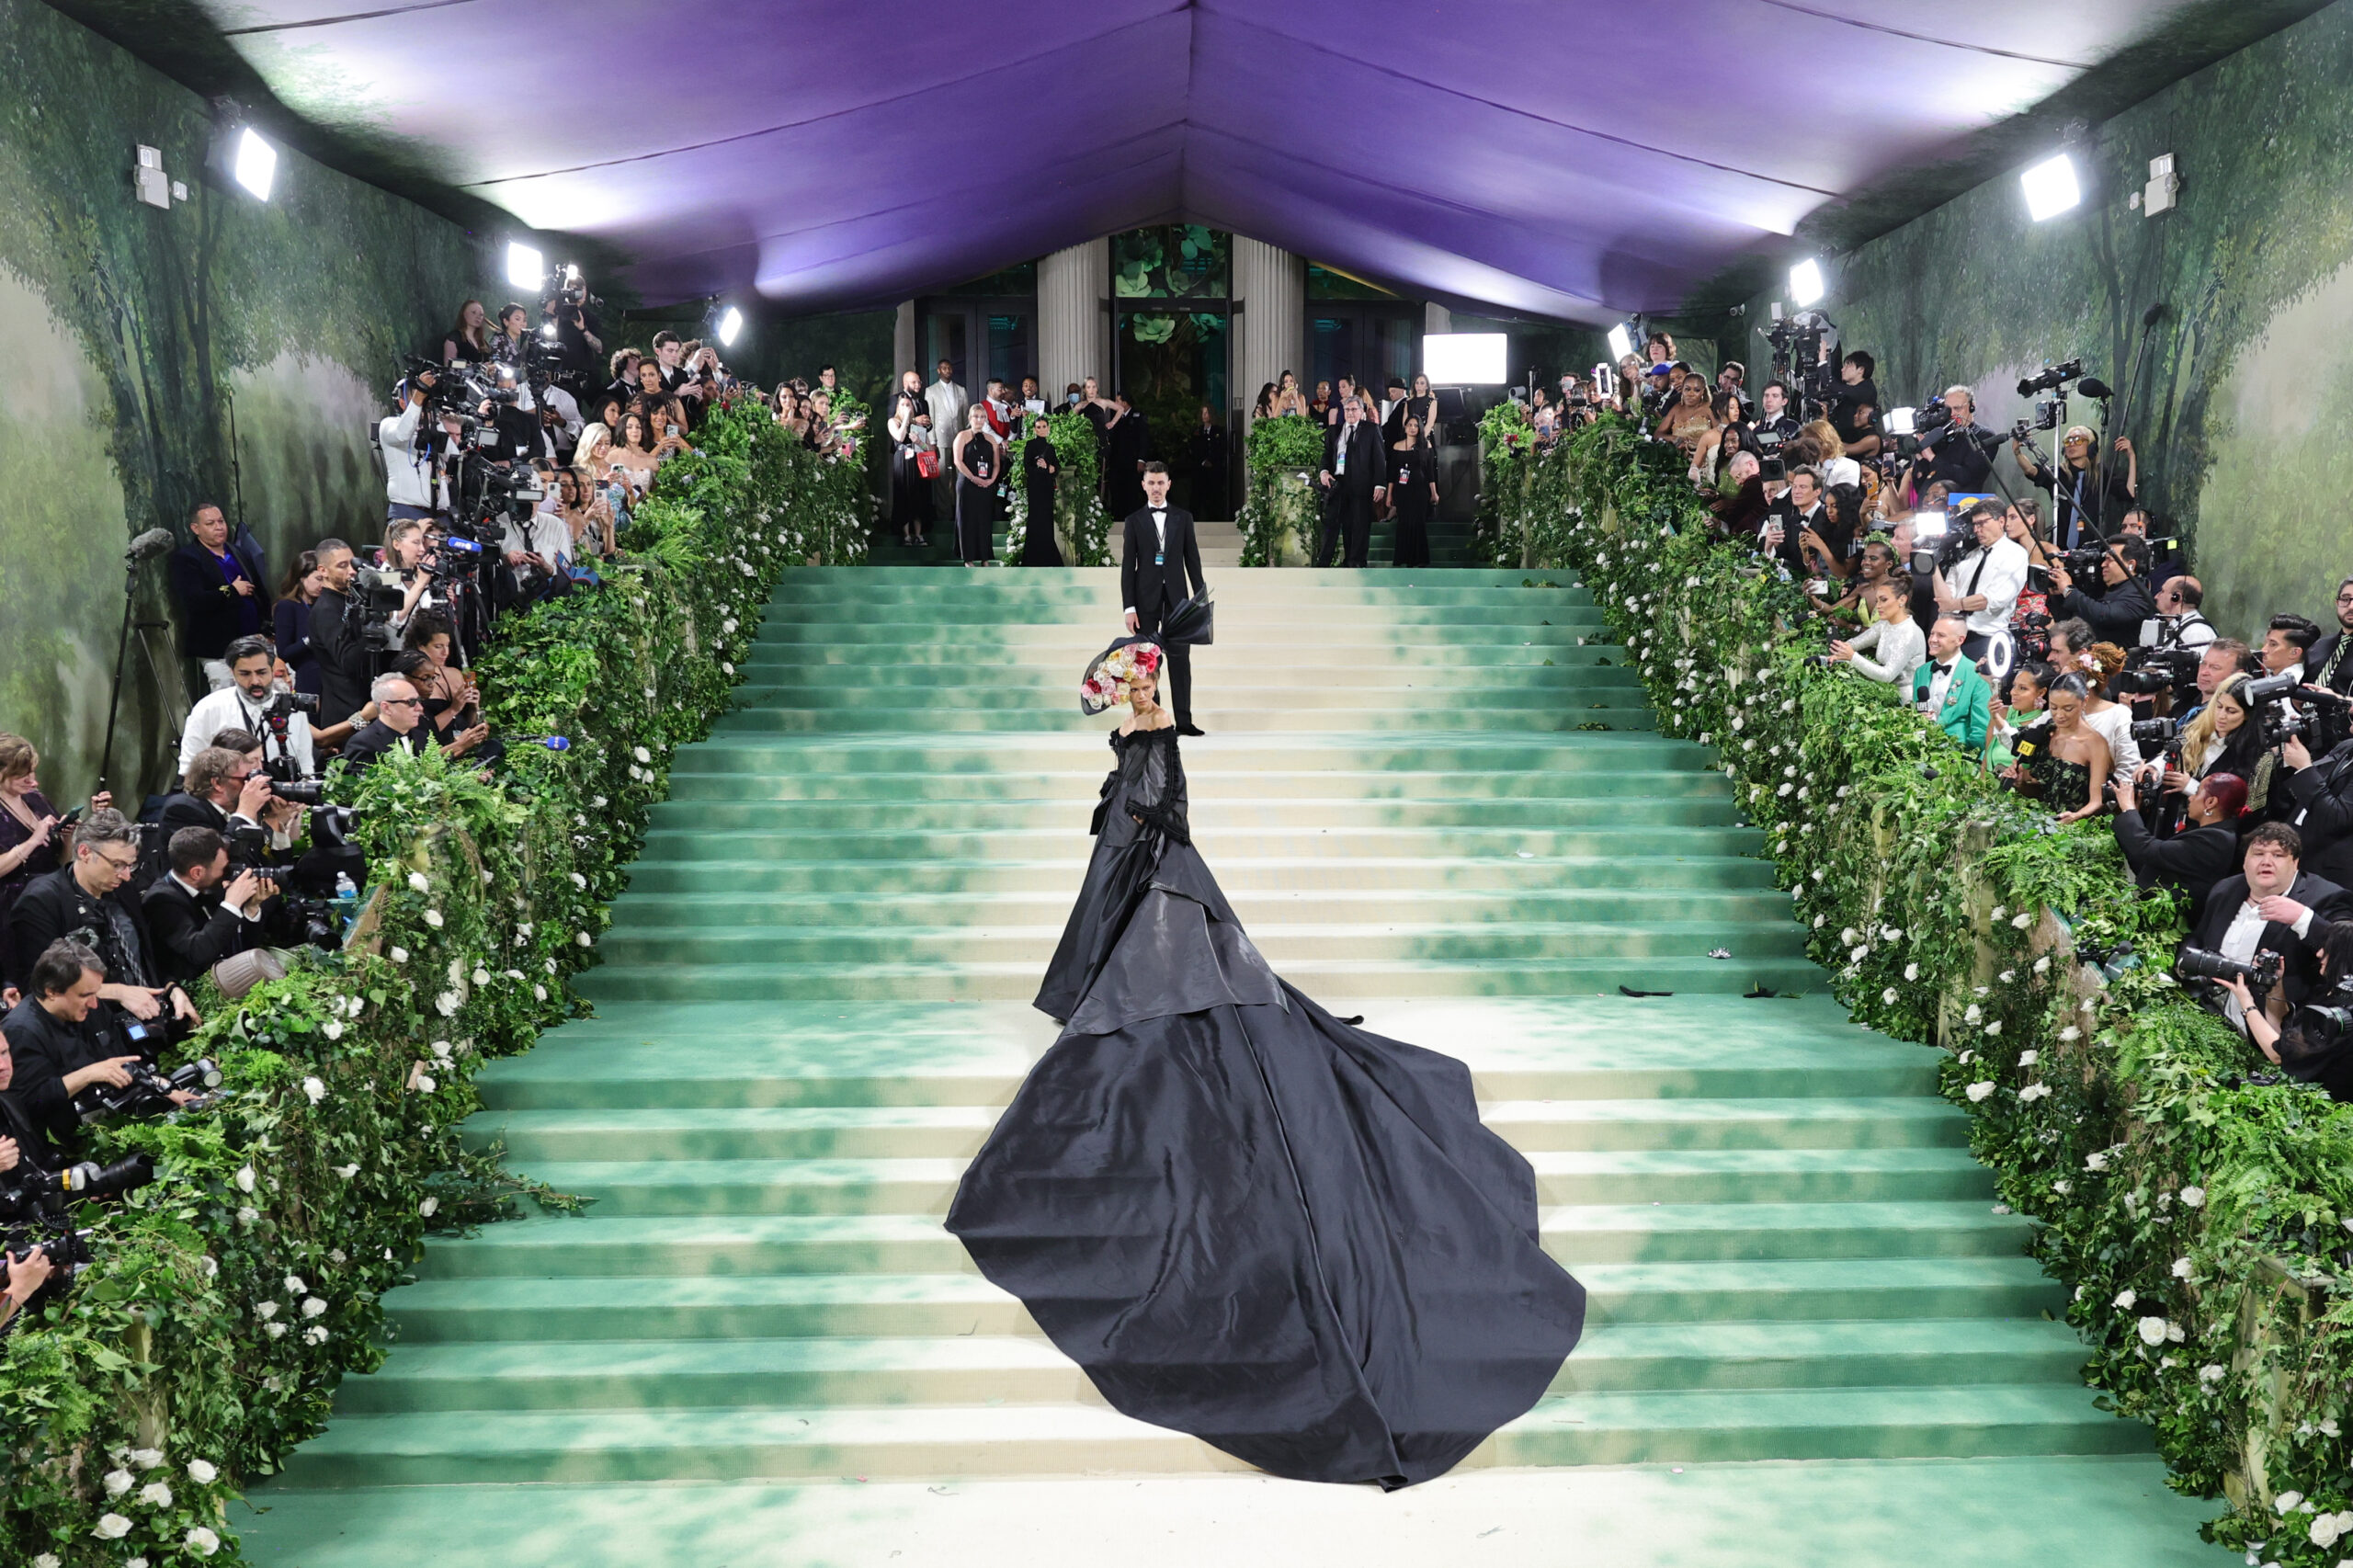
{"x":408,"y":455}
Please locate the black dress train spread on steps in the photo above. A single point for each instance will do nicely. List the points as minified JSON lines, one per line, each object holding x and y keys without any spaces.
{"x":1246,"y":1219}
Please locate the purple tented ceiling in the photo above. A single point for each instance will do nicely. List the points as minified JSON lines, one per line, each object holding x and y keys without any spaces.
{"x":1574,"y":158}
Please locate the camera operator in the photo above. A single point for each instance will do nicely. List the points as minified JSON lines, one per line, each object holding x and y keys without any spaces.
{"x":90,"y":900}
{"x":1983,"y":586}
{"x":2312,"y":1044}
{"x":1962,"y":456}
{"x":2192,"y":860}
{"x":2122,"y":610}
{"x":199,"y":912}
{"x":2079,"y":495}
{"x":1854,"y":412}
{"x":58,"y":1049}
{"x":220,"y":788}
{"x":2269,"y":908}
{"x":2180,"y":622}
{"x":577,"y":325}
{"x":345,"y":663}
{"x":410,"y":450}
{"x":2330,"y":661}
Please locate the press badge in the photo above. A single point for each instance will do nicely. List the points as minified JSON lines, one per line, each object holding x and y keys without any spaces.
{"x":1160,"y":558}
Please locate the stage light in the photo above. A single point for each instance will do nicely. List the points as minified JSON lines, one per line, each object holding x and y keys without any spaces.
{"x":2050,"y":188}
{"x":1805,"y":283}
{"x":1902,"y":421}
{"x":730,"y":325}
{"x":1621,"y":343}
{"x":1466,"y":359}
{"x":525,"y":268}
{"x":257,"y":163}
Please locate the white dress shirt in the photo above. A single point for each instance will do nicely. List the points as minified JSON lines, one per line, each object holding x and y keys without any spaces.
{"x":1998,"y":571}
{"x":1159,"y":535}
{"x":2241,"y":940}
{"x":227,"y":708}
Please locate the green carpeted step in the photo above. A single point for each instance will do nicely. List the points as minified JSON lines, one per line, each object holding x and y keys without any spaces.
{"x":896,"y":793}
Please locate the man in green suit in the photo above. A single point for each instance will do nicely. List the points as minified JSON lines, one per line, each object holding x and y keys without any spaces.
{"x":1948,"y":688}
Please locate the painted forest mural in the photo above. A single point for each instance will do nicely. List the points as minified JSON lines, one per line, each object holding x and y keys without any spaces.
{"x":134,"y":336}
{"x":2243,"y":413}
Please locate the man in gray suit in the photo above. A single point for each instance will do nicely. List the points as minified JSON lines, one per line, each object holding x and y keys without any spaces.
{"x":947,"y":402}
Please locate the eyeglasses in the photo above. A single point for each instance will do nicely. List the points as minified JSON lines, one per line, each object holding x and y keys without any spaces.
{"x":126,"y":867}
{"x":400,"y":702}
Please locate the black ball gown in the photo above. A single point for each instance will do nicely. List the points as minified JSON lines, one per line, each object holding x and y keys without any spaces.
{"x":974,"y":509}
{"x":1410,"y":471}
{"x":1039,"y":465}
{"x":1245,"y":1218}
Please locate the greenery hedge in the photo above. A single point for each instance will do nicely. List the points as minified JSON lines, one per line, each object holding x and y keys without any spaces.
{"x":1281,"y":507}
{"x":229,"y":1297}
{"x":1079,"y":515}
{"x":2197,"y":1208}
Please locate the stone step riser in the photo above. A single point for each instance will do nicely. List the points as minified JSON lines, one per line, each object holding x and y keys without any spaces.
{"x":1367,"y":942}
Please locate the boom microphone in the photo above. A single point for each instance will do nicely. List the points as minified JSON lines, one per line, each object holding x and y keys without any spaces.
{"x":2153,"y":315}
{"x":149,"y":545}
{"x":2092,"y":387}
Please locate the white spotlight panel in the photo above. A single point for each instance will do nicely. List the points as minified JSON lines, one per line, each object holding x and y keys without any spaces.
{"x":524,"y":267}
{"x":1465,"y":359}
{"x":257,"y":165}
{"x":1621,"y":343}
{"x":1805,"y":283}
{"x":729,"y":325}
{"x":2050,"y":188}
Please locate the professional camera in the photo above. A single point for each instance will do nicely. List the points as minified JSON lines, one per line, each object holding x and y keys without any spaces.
{"x":2148,"y":671}
{"x":2153,"y":732}
{"x":2273,"y":698}
{"x":570,"y":287}
{"x":149,"y":1093}
{"x":28,"y":1191}
{"x":2261,"y":974}
{"x":2051,"y":378}
{"x":1806,"y":351}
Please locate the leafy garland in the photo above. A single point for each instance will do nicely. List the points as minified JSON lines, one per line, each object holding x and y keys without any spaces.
{"x":229,"y":1297}
{"x":1506,"y":442}
{"x":2197,"y":1211}
{"x":1280,"y":507}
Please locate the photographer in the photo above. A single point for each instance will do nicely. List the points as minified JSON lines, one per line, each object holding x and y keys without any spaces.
{"x":1962,"y":456}
{"x":2330,"y":660}
{"x":58,"y":1048}
{"x":253,"y":702}
{"x":220,"y":788}
{"x":2121,"y":610}
{"x":2269,"y":908}
{"x":410,"y":450}
{"x":2312,"y":1047}
{"x":577,"y":325}
{"x":2079,"y":495}
{"x":1983,"y":586}
{"x":199,"y":913}
{"x":2191,"y":862}
{"x":1854,"y":412}
{"x":338,"y":636}
{"x":89,"y":900}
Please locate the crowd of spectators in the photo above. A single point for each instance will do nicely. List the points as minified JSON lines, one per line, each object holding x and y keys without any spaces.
{"x":2068,"y":656}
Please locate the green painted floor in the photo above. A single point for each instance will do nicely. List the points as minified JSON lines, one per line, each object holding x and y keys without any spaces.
{"x":1813,"y":1338}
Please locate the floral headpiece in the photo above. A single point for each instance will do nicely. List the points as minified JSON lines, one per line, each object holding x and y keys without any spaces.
{"x":1106,"y":683}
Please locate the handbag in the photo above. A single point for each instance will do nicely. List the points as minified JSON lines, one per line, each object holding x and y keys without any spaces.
{"x":927,"y":463}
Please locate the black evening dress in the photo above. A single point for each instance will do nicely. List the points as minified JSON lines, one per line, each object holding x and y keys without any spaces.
{"x":910,"y":491}
{"x":975,"y":512}
{"x":1410,"y":473}
{"x":1246,"y":1219}
{"x":1039,"y":464}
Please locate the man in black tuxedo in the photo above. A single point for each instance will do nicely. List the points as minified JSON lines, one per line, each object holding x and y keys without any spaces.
{"x":1160,"y":556}
{"x":199,"y":913}
{"x":1354,"y":466}
{"x":2274,"y":905}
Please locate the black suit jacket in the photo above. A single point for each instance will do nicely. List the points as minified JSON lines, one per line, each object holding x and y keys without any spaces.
{"x":44,"y":1049}
{"x":2323,"y":812}
{"x":184,"y":809}
{"x":375,"y":738}
{"x":2328,"y":902}
{"x":194,"y":931}
{"x":1152,"y":591}
{"x":1367,"y":463}
{"x":2316,"y":664}
{"x":2191,"y":862}
{"x":207,"y":605}
{"x":2116,"y":615}
{"x":54,"y":906}
{"x":344,"y":667}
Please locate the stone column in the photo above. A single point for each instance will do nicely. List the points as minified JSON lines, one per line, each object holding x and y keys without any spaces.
{"x":1270,"y":286}
{"x":902,"y":345}
{"x":1074,"y":335}
{"x":1437,"y":319}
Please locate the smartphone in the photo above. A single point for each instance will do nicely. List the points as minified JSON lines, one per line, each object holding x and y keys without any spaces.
{"x":70,"y":818}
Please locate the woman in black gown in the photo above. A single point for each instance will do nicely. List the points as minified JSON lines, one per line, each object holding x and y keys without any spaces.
{"x":975,"y":486}
{"x":1414,"y":492}
{"x":1245,"y":1218}
{"x":1039,"y":465}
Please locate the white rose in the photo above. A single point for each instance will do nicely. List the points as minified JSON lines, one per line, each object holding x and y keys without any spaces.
{"x":51,"y":1560}
{"x":147,"y":1458}
{"x":1888,"y":933}
{"x":2062,"y":1187}
{"x":2071,"y":1033}
{"x":347,"y":1172}
{"x":2151,"y":1330}
{"x":2211,"y":1374}
{"x":2285,"y":1501}
{"x":2042,"y":964}
{"x":441,"y":1048}
{"x":2098,"y":1162}
{"x":118,"y":1482}
{"x":446,"y":1003}
{"x":428,"y":1206}
{"x":400,"y":955}
{"x":276,"y":1330}
{"x":248,"y":1216}
{"x":205,"y":1542}
{"x":314,"y":1307}
{"x":433,"y":918}
{"x":1999,"y":912}
{"x":265,"y":1310}
{"x":2021,"y":920}
{"x":2029,"y":1058}
{"x":640,"y":754}
{"x":481,"y":977}
{"x":2324,"y":1530}
{"x":333,"y":1030}
{"x":1888,"y":995}
{"x":1978,"y":1091}
{"x":583,"y":938}
{"x":317,"y":1333}
{"x":2035,"y":1092}
{"x":1974,"y":1013}
{"x":1993,"y":1027}
{"x":2007,"y":976}
{"x":1846,"y":935}
{"x":2181,"y":1268}
{"x":202,"y":1473}
{"x":246,"y":1178}
{"x":416,"y":879}
{"x":539,"y":992}
{"x":155,"y":1494}
{"x":294,"y":1285}
{"x":315,"y":1089}
{"x":1858,"y":955}
{"x":425,"y":1084}
{"x":1911,"y":972}
{"x":112,"y":1527}
{"x":2193,"y":1197}
{"x":2175,"y":1331}
{"x":578,"y":880}
{"x":2125,"y":1299}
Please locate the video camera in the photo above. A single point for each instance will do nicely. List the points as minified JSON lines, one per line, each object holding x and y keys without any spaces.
{"x":36,"y":1215}
{"x":2051,"y":412}
{"x":1805,"y":354}
{"x":2148,"y":671}
{"x":149,"y":1093}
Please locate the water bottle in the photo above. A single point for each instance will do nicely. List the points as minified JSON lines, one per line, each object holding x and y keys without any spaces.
{"x":346,"y":903}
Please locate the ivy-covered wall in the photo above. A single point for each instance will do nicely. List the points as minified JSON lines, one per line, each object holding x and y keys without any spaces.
{"x":127,"y":333}
{"x":2244,"y":410}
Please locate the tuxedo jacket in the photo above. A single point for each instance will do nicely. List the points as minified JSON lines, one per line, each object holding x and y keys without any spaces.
{"x":1152,"y":591}
{"x":1967,"y":709}
{"x":1368,"y":461}
{"x":2192,"y":860}
{"x":193,"y":931}
{"x":2328,"y":902}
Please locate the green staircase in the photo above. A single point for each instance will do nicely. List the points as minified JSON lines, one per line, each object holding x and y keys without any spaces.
{"x":1432,"y":800}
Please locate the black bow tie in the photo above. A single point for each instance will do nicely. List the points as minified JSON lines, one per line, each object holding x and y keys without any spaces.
{"x":1159,"y":513}
{"x":1944,"y":669}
